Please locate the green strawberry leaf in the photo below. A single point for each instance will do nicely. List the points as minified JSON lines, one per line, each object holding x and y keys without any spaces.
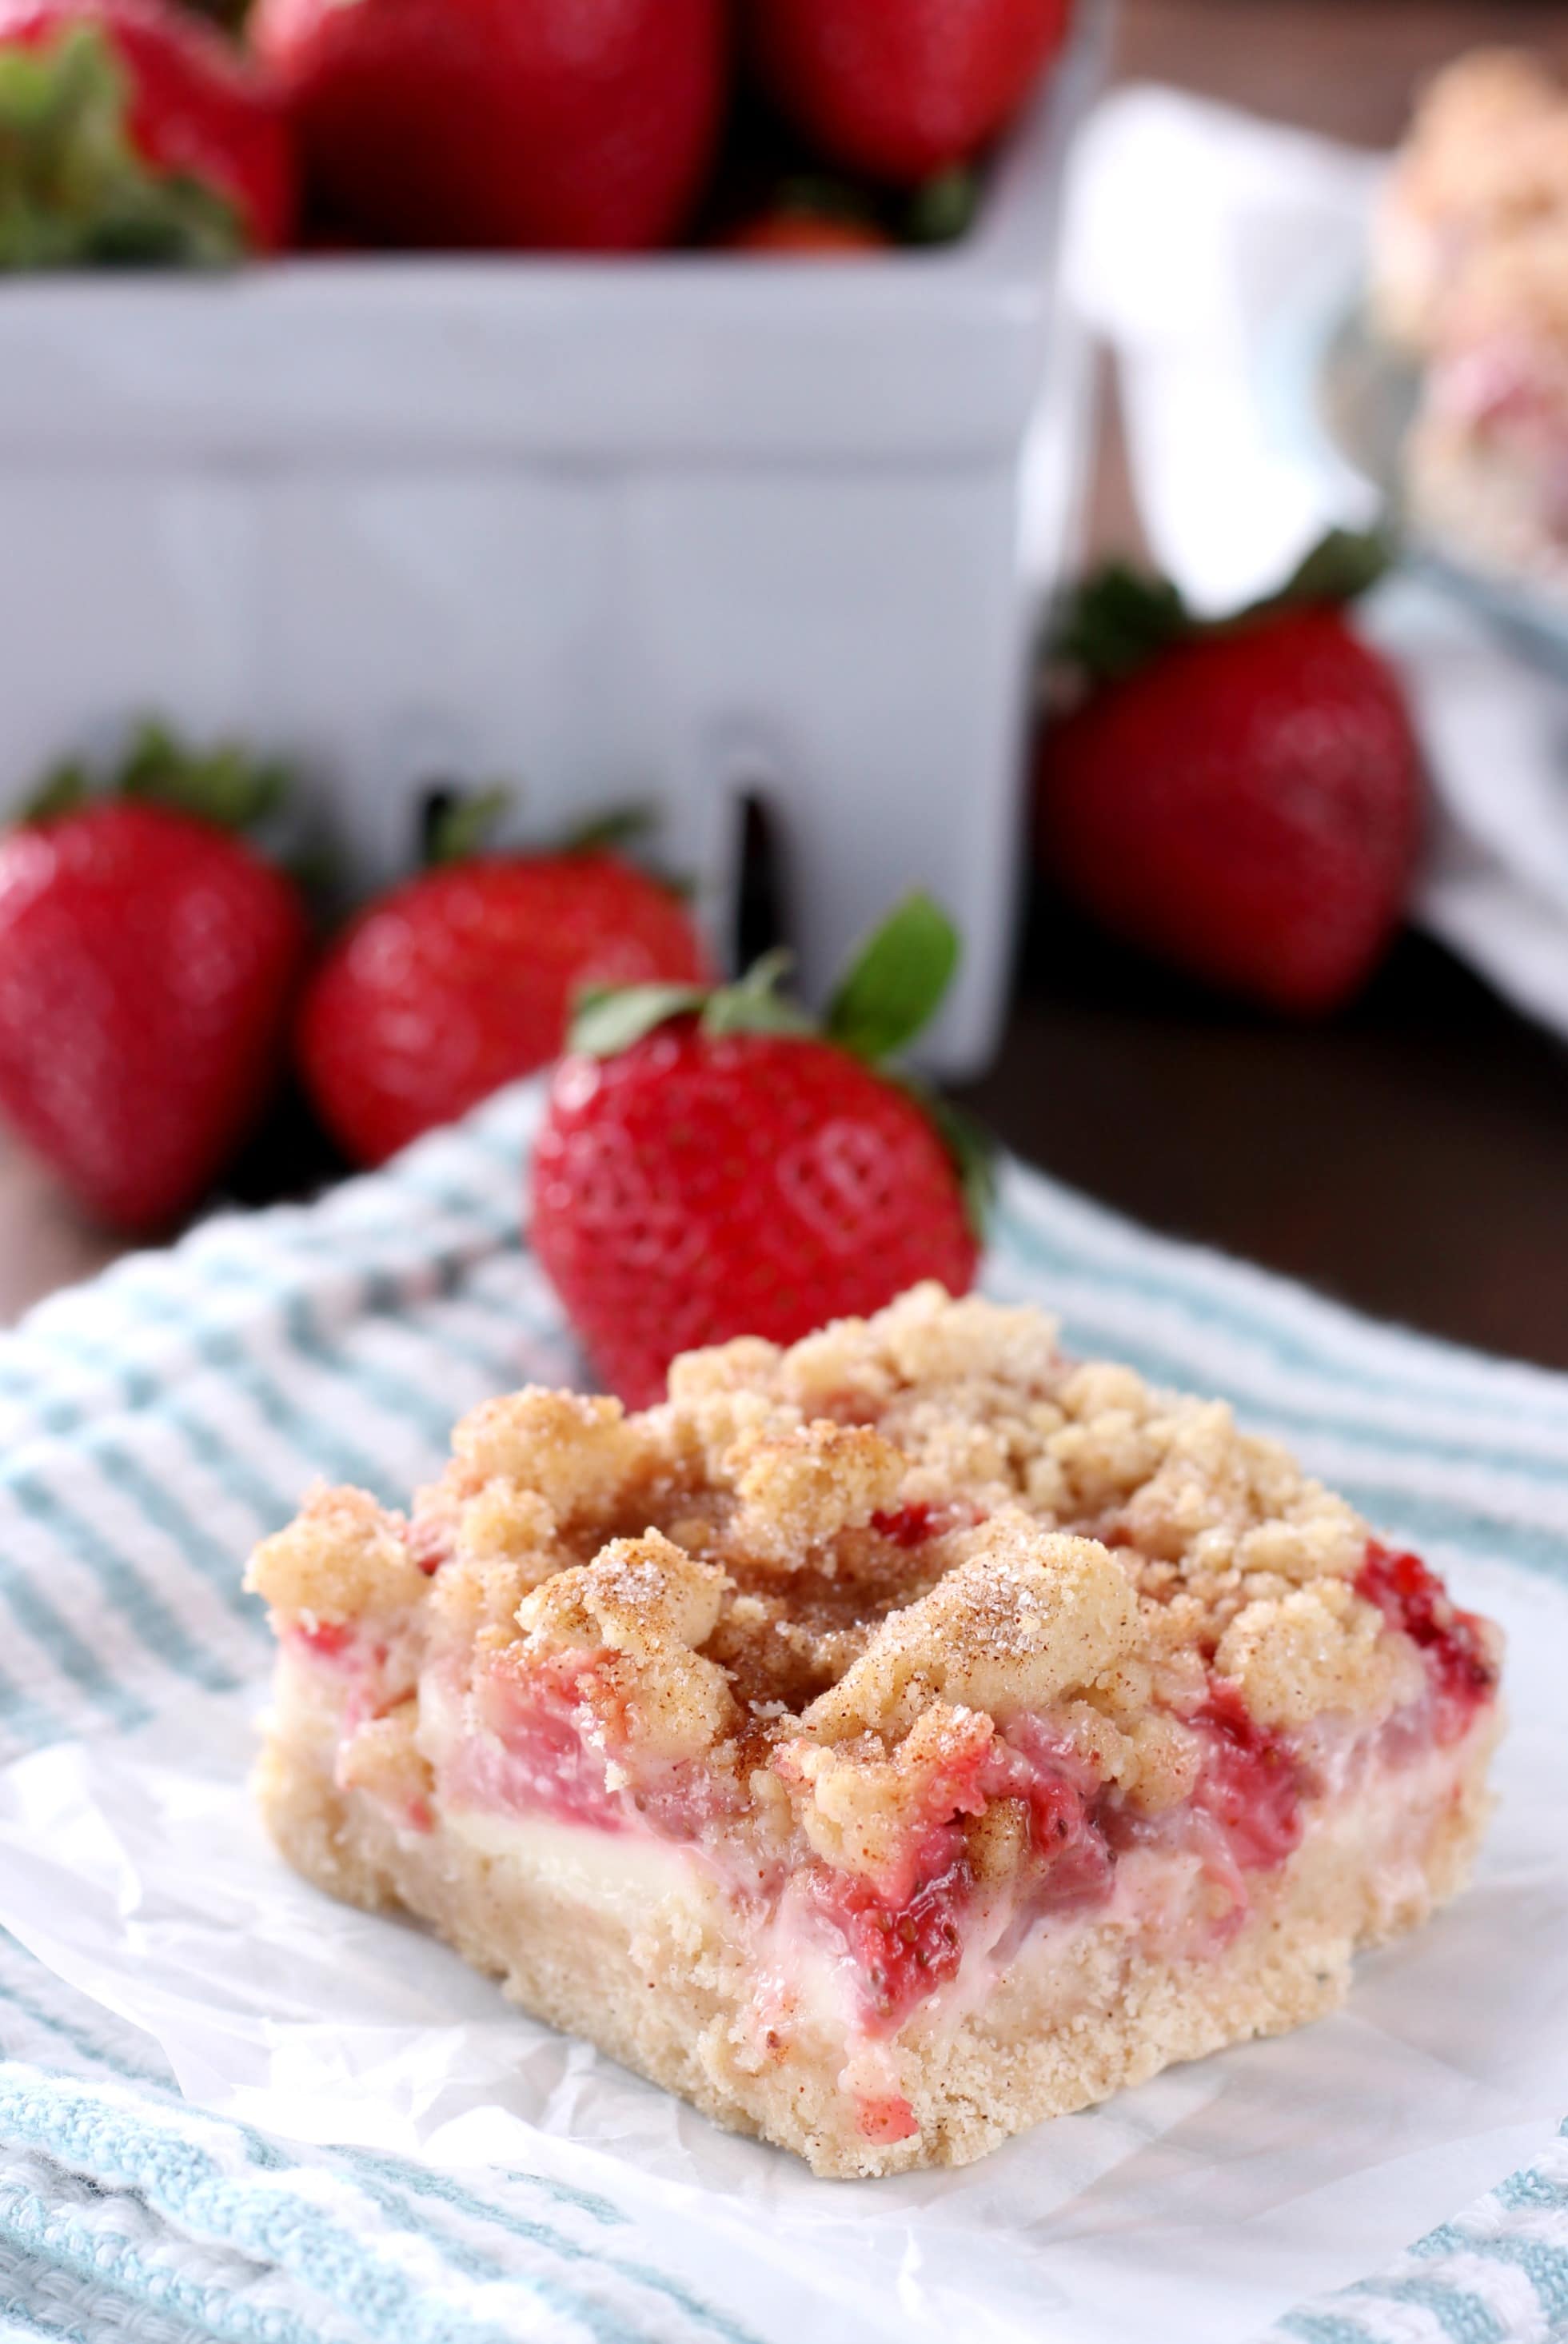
{"x":74,"y":190}
{"x":896,"y":980}
{"x":64,"y":789}
{"x":603,"y":833}
{"x":971,"y":1148}
{"x":608,"y":1019}
{"x":463,"y":826}
{"x":1341,"y":566}
{"x":942,"y":209}
{"x":1118,"y":620}
{"x":225,"y":784}
{"x":817,"y":194}
{"x":895,"y":984}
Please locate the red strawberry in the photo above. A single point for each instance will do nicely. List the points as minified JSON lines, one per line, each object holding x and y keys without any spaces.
{"x":899,"y":91}
{"x":463,"y":978}
{"x":1242,"y":799}
{"x":711,"y":1167}
{"x":149,"y":964}
{"x":491,"y":123}
{"x":132,"y":132}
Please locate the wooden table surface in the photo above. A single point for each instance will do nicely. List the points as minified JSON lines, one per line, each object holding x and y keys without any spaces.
{"x":1412,"y":1155}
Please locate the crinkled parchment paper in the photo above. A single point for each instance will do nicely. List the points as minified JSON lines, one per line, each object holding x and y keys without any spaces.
{"x":1196,"y":2208}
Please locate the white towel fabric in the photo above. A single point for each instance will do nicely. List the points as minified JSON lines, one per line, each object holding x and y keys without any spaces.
{"x":1214,"y":252}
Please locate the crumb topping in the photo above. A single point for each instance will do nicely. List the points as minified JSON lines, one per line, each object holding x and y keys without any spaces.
{"x":1022,"y":1618}
{"x":1481,"y":177}
{"x":845,"y":1567}
{"x":1489,"y":139}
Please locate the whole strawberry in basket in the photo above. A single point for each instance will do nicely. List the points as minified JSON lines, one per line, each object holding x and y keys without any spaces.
{"x":461,"y":979}
{"x":502,"y":122}
{"x":714,"y":1163}
{"x":149,"y":961}
{"x":900,"y":91}
{"x":132,"y":133}
{"x":1240,"y":797}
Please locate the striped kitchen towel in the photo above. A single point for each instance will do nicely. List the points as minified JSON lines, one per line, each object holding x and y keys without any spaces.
{"x":155,"y":1424}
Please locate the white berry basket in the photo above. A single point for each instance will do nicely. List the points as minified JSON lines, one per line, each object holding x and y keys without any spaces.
{"x":685,"y":529}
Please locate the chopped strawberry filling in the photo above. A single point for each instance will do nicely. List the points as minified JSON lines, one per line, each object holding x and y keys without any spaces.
{"x":901,"y":1952}
{"x":885,"y":2118}
{"x":1060,"y":1792}
{"x":430,"y":1545}
{"x":553,"y":1734}
{"x":327,"y":1640}
{"x":907,"y":1525}
{"x":1453,"y":1643}
{"x":906,"y":1942}
{"x":915,"y":1524}
{"x":543,"y":1753}
{"x":1250,"y":1783}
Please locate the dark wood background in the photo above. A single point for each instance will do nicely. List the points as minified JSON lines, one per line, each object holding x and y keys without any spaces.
{"x":1412,"y":1155}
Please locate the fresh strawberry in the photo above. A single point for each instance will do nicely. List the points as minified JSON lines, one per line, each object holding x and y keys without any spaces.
{"x":711,"y":1165}
{"x":463,"y":979}
{"x":1240,"y":798}
{"x":148,"y":966}
{"x":897,"y":91}
{"x":132,"y":132}
{"x":491,"y":123}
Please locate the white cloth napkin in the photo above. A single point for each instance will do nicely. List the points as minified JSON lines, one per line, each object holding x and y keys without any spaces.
{"x":1214,"y":252}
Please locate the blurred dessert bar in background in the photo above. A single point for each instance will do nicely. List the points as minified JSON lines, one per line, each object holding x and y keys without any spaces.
{"x":1470,"y":276}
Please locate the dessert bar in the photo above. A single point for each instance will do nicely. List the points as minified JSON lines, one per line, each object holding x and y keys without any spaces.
{"x":885,"y":1743}
{"x":1470,"y":276}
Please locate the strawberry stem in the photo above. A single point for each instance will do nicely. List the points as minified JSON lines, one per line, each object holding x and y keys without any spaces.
{"x":464,"y":825}
{"x":754,"y":1004}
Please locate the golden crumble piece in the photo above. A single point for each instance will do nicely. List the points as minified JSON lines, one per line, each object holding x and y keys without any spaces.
{"x":799,"y":1492}
{"x":859,"y":1803}
{"x":504,"y":1523}
{"x":649,"y":1604}
{"x":578,"y":1455}
{"x":1025,"y":1618}
{"x":383,"y":1758}
{"x":1318,"y":1649}
{"x":343,"y":1559}
{"x":1485,"y":161}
